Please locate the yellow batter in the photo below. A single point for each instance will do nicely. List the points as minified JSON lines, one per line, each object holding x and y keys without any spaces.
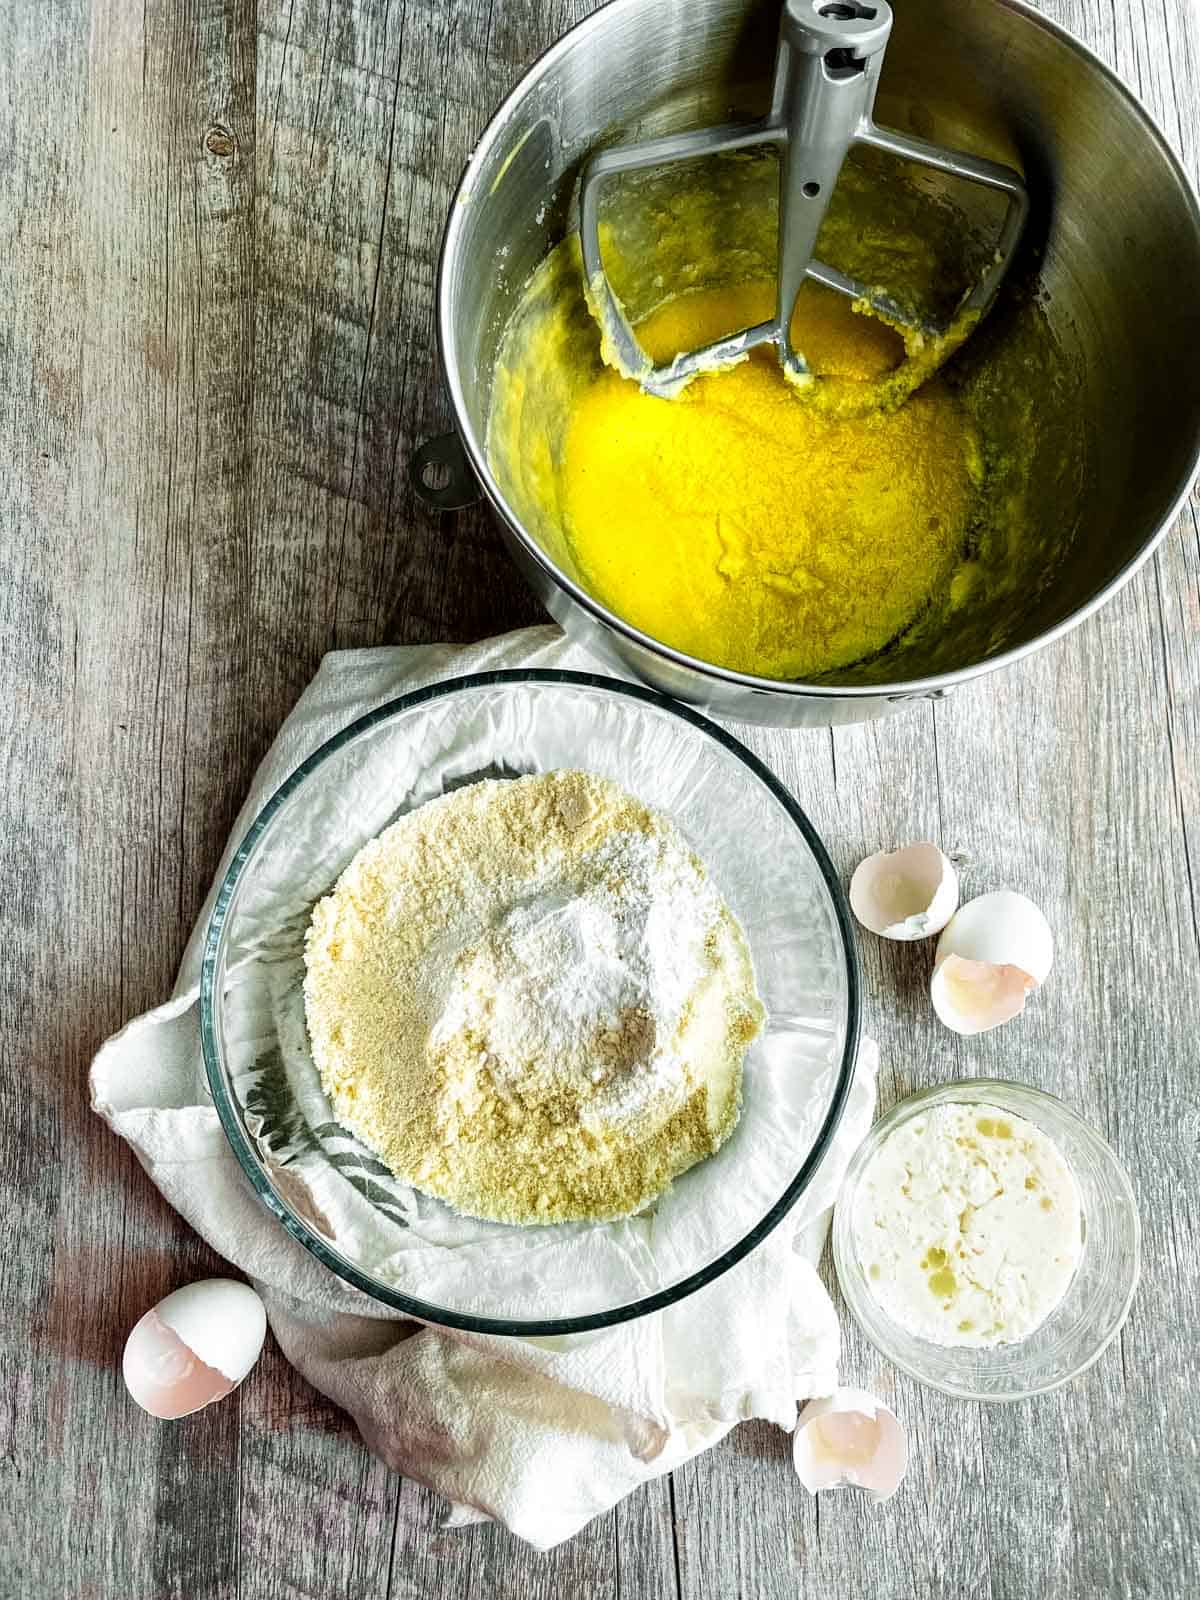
{"x":848,"y":530}
{"x":752,"y":526}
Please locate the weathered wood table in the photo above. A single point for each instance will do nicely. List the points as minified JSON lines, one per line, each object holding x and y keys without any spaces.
{"x":218,"y":234}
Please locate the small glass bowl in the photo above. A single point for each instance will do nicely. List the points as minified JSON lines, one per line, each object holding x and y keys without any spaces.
{"x":1095,"y":1306}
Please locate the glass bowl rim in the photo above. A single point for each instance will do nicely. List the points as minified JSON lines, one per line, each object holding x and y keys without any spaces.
{"x":332,"y":1259}
{"x":842,"y":1239}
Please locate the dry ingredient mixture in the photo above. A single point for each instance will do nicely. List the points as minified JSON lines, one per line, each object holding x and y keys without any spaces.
{"x":967,"y":1224}
{"x":528,"y":998}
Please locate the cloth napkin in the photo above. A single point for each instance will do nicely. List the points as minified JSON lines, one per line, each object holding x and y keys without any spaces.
{"x":539,"y":1434}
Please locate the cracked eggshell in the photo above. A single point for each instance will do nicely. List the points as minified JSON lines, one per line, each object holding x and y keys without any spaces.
{"x":994,"y":952}
{"x":905,"y":894}
{"x":850,"y":1440}
{"x":194,"y":1347}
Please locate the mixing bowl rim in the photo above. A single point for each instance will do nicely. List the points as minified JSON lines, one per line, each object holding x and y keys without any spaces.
{"x":934,"y":685}
{"x":253,"y":1167}
{"x":1011,"y":1095}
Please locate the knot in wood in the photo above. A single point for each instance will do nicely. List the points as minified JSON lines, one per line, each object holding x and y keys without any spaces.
{"x":220,"y":141}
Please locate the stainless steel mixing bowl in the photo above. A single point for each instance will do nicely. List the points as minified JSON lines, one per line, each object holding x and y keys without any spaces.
{"x":1116,"y":228}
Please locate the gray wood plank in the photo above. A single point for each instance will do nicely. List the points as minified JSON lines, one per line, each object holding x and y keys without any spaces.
{"x":627,"y":1554}
{"x":431,"y":1560}
{"x":44,"y":1361}
{"x":163,"y":451}
{"x":126,"y":363}
{"x":315,"y":1512}
{"x":356,"y":169}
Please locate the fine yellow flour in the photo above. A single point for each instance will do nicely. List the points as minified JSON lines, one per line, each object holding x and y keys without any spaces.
{"x":528,"y":998}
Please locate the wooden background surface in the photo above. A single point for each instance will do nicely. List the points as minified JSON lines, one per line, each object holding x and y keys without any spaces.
{"x":218,"y":234}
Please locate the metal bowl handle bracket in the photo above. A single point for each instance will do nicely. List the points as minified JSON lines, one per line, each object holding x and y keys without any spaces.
{"x":441,"y":475}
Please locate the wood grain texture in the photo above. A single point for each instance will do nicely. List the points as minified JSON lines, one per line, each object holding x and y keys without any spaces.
{"x":125,"y":361}
{"x":218,"y":240}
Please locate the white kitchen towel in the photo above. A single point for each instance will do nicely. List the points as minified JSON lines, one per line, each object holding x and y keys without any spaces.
{"x":540,"y":1434}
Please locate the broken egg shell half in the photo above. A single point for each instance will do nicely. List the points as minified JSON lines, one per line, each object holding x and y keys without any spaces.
{"x":850,"y":1440}
{"x":194,"y":1347}
{"x":905,"y":894}
{"x":993,"y":953}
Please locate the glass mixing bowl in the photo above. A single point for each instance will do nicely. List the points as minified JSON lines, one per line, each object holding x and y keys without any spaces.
{"x":333,"y":1195}
{"x":1097,"y":1302}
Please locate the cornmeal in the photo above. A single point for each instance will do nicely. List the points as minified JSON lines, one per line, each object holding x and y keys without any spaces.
{"x":528,"y":998}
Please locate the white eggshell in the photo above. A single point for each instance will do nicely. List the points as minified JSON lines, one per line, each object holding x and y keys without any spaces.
{"x":992,"y":953}
{"x":905,"y":894}
{"x":194,"y":1347}
{"x":1004,"y":928}
{"x":850,"y":1440}
{"x":221,"y":1320}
